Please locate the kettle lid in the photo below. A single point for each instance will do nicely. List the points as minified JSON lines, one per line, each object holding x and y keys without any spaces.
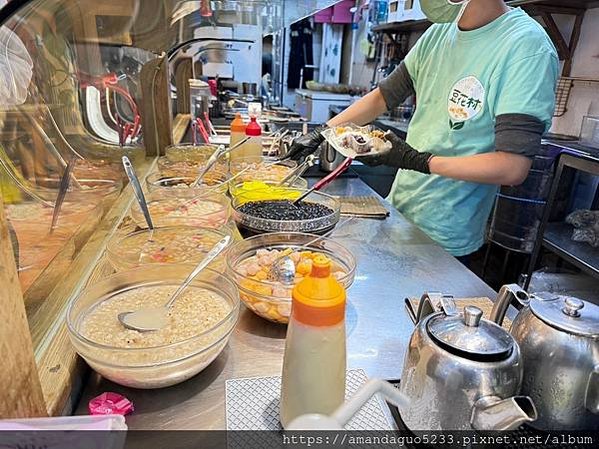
{"x":470,"y":336}
{"x":567,"y":313}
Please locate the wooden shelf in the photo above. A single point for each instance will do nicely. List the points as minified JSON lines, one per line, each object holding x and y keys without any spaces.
{"x":533,"y":6}
{"x":572,"y":4}
{"x":402,"y":27}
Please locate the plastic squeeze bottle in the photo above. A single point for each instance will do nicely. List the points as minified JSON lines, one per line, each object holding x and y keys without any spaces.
{"x":314,"y":365}
{"x":252,"y":149}
{"x":237,"y":133}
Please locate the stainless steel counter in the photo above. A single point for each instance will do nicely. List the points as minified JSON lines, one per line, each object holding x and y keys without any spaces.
{"x":395,"y":260}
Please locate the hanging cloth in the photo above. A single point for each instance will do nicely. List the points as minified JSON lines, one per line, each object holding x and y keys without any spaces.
{"x":301,"y":54}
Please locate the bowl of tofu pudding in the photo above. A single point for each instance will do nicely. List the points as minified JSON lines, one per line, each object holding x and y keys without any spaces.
{"x":198,"y":328}
{"x":211,"y":210}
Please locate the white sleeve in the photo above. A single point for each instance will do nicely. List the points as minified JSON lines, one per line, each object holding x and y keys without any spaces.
{"x":16,"y":69}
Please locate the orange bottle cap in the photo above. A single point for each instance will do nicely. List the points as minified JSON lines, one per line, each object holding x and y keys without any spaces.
{"x":237,"y":125}
{"x":319,"y":299}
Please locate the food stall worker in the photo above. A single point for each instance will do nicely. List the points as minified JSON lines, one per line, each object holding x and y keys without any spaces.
{"x":484,"y":77}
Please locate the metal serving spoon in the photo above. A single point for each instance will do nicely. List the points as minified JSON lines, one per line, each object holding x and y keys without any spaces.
{"x":155,"y":318}
{"x":220,"y":151}
{"x":283,"y":268}
{"x":62,"y":193}
{"x":214,"y":189}
{"x":137,"y":190}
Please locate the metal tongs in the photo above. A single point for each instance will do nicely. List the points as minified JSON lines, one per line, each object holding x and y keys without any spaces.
{"x":220,"y":151}
{"x":277,"y":139}
{"x":326,"y":180}
{"x":299,"y":171}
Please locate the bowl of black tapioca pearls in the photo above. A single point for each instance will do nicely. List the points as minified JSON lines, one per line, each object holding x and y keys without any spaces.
{"x":317,"y":213}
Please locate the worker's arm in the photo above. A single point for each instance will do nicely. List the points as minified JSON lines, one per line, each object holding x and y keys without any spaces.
{"x":391,"y":92}
{"x":498,"y":168}
{"x":363,"y":111}
{"x":517,"y":140}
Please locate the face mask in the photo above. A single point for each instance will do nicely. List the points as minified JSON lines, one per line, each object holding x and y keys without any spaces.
{"x":443,"y":11}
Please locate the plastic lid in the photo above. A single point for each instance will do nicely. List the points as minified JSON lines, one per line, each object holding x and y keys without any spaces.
{"x":569,"y":314}
{"x":238,"y":125}
{"x":253,"y":128}
{"x":468,"y":334}
{"x":319,"y":299}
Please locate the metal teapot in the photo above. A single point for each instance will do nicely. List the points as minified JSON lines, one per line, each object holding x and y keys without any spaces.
{"x":461,"y":371}
{"x":559,"y":341}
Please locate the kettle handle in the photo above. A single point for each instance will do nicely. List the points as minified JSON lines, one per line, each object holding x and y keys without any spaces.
{"x":591,"y":400}
{"x":511,"y":294}
{"x":391,"y":394}
{"x":430,"y":302}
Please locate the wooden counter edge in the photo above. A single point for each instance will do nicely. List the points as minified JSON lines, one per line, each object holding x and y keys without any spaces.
{"x":61,"y":371}
{"x":22,"y":393}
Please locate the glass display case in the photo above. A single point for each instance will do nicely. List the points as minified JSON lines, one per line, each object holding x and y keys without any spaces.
{"x":82,"y":84}
{"x":70,"y":108}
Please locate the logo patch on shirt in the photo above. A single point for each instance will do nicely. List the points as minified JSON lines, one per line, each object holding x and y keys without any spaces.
{"x":465,"y":101}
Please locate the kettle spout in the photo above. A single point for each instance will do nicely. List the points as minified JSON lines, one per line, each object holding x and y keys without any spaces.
{"x":494,"y":413}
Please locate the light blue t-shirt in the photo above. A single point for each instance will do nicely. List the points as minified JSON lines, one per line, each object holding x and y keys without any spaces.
{"x":463,"y":80}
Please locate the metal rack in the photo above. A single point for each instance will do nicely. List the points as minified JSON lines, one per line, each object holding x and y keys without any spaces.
{"x":545,"y":9}
{"x":555,"y":236}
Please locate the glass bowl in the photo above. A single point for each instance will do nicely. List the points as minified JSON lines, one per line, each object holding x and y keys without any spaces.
{"x":175,"y":244}
{"x":184,"y":209}
{"x":169,"y":168}
{"x":270,"y":299}
{"x":81,"y":211}
{"x":257,"y":225}
{"x":187,"y":159}
{"x":99,"y":169}
{"x":79,"y":204}
{"x":214,"y":180}
{"x":136,"y":153}
{"x":262,"y":170}
{"x":88,"y":190}
{"x":254,"y":191}
{"x":155,"y":365}
{"x":189,"y":152}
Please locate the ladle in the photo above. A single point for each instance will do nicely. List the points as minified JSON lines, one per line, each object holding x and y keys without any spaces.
{"x":155,"y":318}
{"x":62,"y":193}
{"x":283,"y":268}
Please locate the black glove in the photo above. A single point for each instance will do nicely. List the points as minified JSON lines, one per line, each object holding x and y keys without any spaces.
{"x":307,"y":144}
{"x":401,"y":155}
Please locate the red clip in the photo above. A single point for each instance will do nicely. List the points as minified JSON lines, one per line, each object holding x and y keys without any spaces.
{"x":203,"y":131}
{"x":110,"y":79}
{"x":136,"y":126}
{"x":334,"y":174}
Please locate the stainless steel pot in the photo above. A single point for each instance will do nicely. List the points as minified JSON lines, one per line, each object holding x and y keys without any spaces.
{"x":330,"y":159}
{"x":559,"y":340}
{"x":462,"y":372}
